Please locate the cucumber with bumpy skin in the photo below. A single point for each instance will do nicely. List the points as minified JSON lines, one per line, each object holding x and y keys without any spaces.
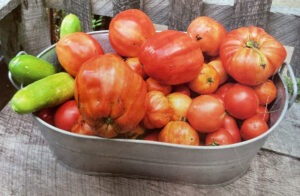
{"x":47,"y":92}
{"x":26,"y":69}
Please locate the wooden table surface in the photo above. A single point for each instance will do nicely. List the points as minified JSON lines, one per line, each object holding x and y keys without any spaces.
{"x":27,"y":166}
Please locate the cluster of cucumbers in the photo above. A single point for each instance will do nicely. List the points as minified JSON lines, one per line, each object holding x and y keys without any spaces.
{"x":42,"y":86}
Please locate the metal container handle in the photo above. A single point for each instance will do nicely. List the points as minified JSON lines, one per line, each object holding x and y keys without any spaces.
{"x":17,"y":86}
{"x":291,"y":75}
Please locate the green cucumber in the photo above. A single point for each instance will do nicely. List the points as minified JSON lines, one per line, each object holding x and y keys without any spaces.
{"x":70,"y":24}
{"x":26,"y":69}
{"x":47,"y":92}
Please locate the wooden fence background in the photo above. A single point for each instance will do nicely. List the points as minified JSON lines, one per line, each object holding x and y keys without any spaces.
{"x":24,"y":24}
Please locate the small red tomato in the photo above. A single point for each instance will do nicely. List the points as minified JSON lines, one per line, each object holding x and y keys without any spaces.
{"x":47,"y":115}
{"x":75,"y":49}
{"x":128,"y":30}
{"x":152,"y":136}
{"x":179,"y":132}
{"x":207,"y":80}
{"x":263,"y":112}
{"x":206,"y":113}
{"x":218,"y":138}
{"x":208,"y":33}
{"x":253,"y":127}
{"x":66,"y":115}
{"x":158,"y":110}
{"x":154,"y":85}
{"x":180,"y":104}
{"x":266,"y":92}
{"x":135,"y":65}
{"x":241,"y":101}
{"x":231,"y":126}
{"x":217,"y":64}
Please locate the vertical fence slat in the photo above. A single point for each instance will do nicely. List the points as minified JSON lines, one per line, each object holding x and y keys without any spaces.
{"x":182,"y":12}
{"x":251,"y":12}
{"x":81,"y":8}
{"x":120,"y":5}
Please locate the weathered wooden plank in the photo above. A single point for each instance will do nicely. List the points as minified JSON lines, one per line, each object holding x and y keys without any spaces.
{"x":182,"y":12}
{"x":83,"y":10}
{"x":27,"y":167}
{"x":250,"y":12}
{"x":7,"y":6}
{"x":120,"y":5}
{"x":158,"y":11}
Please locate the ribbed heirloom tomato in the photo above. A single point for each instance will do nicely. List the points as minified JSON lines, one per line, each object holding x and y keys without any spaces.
{"x":171,"y":57}
{"x":250,"y":55}
{"x":110,"y":96}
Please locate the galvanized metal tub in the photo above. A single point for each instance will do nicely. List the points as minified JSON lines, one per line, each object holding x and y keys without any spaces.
{"x":202,"y":165}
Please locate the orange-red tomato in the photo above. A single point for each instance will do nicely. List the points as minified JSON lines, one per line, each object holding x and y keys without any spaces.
{"x":135,"y":65}
{"x":208,"y":33}
{"x":266,"y":92}
{"x":253,"y":127}
{"x":206,"y":113}
{"x":219,"y":137}
{"x":263,"y":112}
{"x":128,"y":30}
{"x":171,"y":57}
{"x":74,"y":49}
{"x":222,"y":90}
{"x":231,"y":126}
{"x":110,"y":96}
{"x":207,"y":80}
{"x":158,"y":110}
{"x":250,"y":55}
{"x":241,"y":101}
{"x":179,"y":132}
{"x":154,"y":85}
{"x":180,"y":104}
{"x":217,"y":64}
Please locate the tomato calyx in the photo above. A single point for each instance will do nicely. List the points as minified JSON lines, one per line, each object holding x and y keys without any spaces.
{"x":255,"y":46}
{"x":214,"y":143}
{"x":198,"y":37}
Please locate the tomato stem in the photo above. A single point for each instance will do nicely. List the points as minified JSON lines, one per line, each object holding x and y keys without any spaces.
{"x":255,"y":46}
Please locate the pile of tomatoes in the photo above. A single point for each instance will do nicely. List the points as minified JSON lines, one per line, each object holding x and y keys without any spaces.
{"x":205,"y":86}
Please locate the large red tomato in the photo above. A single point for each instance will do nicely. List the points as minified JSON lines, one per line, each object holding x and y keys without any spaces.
{"x":128,"y":30}
{"x":206,"y":113}
{"x":241,"y":101}
{"x":76,"y":48}
{"x":209,"y":34}
{"x":66,"y":115}
{"x":171,"y":57}
{"x":158,"y":110}
{"x":110,"y":96}
{"x":250,"y":55}
{"x":179,"y":132}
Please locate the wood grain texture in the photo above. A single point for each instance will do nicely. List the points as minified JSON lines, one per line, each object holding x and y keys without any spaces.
{"x":7,"y":6}
{"x":120,"y":5}
{"x":83,"y":10}
{"x":182,"y":12}
{"x":27,"y":167}
{"x":250,"y":12}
